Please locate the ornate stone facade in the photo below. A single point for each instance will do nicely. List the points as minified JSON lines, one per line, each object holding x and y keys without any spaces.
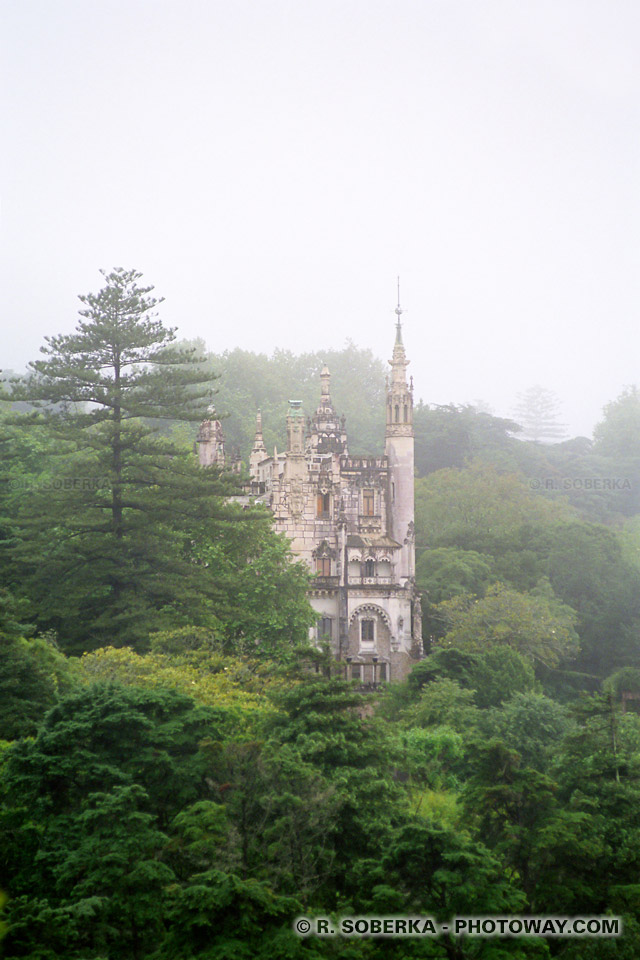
{"x":352,"y":520}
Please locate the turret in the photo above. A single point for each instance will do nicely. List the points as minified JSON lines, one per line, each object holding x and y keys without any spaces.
{"x":326,"y":429}
{"x":400,"y":454}
{"x":296,"y":467}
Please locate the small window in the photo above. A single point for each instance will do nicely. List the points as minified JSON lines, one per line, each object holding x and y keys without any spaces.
{"x":397,"y":413}
{"x":405,"y":413}
{"x":325,"y":628}
{"x":324,"y":505}
{"x":382,"y":672}
{"x":368,"y":503}
{"x":366,"y":631}
{"x":355,"y":671}
{"x":323,"y":566}
{"x":369,"y":571}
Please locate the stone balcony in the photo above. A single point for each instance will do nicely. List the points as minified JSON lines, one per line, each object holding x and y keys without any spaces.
{"x":371,"y":581}
{"x":324,"y":583}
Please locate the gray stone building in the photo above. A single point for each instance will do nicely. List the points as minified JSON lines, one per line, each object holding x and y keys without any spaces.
{"x":352,"y":520}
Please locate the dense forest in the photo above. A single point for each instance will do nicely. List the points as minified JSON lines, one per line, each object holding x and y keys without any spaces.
{"x":182,"y":775}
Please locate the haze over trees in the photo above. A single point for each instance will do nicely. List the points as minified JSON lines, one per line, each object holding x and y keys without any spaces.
{"x":537,"y":411}
{"x":182,"y":776}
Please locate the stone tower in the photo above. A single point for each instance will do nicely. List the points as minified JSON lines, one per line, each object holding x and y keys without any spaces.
{"x":399,"y":451}
{"x":210,"y":442}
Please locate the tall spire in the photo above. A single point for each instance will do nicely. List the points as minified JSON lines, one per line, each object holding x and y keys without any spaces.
{"x":399,"y":362}
{"x":399,"y":393}
{"x":398,"y":312}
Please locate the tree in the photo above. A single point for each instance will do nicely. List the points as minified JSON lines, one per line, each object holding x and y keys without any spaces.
{"x":444,"y":703}
{"x":266,"y":613}
{"x":88,"y":803}
{"x":530,"y":723}
{"x":587,"y":570}
{"x":105,"y":549}
{"x":477,"y":508}
{"x":537,"y":625}
{"x":494,"y":674}
{"x":437,"y":871}
{"x":322,"y":718}
{"x":451,"y":435}
{"x":32,"y":673}
{"x":516,"y":810}
{"x":618,"y":434}
{"x":537,"y":411}
{"x":445,"y":572}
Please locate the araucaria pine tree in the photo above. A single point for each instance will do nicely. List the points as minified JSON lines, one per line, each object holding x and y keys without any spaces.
{"x":105,"y":545}
{"x":537,"y":412}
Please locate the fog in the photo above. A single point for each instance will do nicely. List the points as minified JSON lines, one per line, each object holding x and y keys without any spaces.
{"x":271,"y":167}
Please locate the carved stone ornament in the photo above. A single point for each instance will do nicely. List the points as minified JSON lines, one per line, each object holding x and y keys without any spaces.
{"x":296,"y":498}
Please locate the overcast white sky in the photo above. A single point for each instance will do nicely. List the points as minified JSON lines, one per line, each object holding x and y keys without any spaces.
{"x":271,"y":166}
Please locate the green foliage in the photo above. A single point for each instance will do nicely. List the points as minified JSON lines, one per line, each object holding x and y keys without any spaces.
{"x":429,"y":755}
{"x":32,"y":673}
{"x":530,"y":724}
{"x":265,"y":610}
{"x":494,"y":674}
{"x":625,"y":680}
{"x":111,"y":549}
{"x":483,"y":516}
{"x":13,"y":612}
{"x":618,"y":435}
{"x":536,"y":625}
{"x":444,"y":702}
{"x":476,"y":507}
{"x":450,"y":436}
{"x":587,"y":570}
{"x":87,"y":803}
{"x":322,"y":718}
{"x":104,"y":736}
{"x":445,"y":572}
{"x":223,"y":917}
{"x":187,"y":795}
{"x":425,"y":869}
{"x":224,"y":683}
{"x":519,"y":817}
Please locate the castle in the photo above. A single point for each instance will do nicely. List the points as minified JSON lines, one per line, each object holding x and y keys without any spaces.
{"x":352,"y":520}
